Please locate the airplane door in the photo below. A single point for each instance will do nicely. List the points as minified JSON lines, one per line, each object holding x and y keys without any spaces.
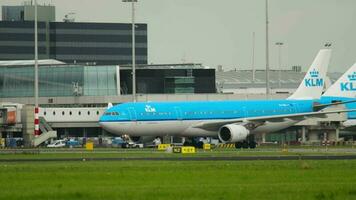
{"x":178,"y":113}
{"x":132,"y":113}
{"x":295,"y":108}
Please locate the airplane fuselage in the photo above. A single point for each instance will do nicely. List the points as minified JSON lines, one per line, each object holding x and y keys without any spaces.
{"x":178,"y":118}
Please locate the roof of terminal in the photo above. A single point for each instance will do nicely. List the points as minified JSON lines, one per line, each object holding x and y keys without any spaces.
{"x":7,"y":63}
{"x":243,"y":78}
{"x":53,"y":62}
{"x":168,"y":66}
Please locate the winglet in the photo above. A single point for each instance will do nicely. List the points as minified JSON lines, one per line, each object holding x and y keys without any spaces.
{"x":314,"y":80}
{"x":345,"y":86}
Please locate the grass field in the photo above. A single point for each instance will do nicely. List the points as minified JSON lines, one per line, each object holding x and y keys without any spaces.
{"x":179,"y":180}
{"x":132,"y":153}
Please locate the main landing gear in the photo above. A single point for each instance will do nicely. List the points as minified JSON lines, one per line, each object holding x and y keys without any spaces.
{"x":248,"y":143}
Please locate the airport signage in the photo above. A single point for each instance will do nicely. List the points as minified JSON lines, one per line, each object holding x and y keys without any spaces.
{"x":163,"y":147}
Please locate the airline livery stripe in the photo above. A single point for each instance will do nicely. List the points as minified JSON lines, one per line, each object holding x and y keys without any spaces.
{"x":148,"y":120}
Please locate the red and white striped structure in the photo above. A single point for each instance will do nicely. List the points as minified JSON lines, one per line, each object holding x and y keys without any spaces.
{"x":37,"y":122}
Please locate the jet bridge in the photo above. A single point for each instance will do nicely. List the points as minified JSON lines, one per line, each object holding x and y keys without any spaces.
{"x":19,"y":119}
{"x":10,"y":119}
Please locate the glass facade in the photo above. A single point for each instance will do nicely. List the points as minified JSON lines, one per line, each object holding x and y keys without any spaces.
{"x":83,"y":80}
{"x":78,"y":43}
{"x":179,"y":84}
{"x":100,"y":81}
{"x":100,"y":43}
{"x":172,"y":80}
{"x":17,"y":40}
{"x":58,"y":81}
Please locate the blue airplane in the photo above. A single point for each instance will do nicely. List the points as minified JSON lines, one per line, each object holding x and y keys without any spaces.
{"x":231,"y":121}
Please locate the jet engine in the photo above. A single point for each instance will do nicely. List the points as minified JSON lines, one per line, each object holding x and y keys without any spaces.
{"x":233,"y":133}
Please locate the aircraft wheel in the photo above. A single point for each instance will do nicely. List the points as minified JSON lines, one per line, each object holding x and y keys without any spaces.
{"x":238,"y":145}
{"x":245,"y":144}
{"x":252,"y":144}
{"x":199,"y":145}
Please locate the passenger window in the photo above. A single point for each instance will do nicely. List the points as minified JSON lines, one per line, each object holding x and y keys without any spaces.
{"x":88,"y":112}
{"x":54,"y":112}
{"x":70,"y":112}
{"x":79,"y":113}
{"x":45,"y":113}
{"x":62,"y":112}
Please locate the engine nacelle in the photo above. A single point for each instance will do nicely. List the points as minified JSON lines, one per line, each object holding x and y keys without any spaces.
{"x":233,"y":133}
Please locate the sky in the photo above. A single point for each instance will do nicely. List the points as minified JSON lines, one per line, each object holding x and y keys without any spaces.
{"x":220,"y":32}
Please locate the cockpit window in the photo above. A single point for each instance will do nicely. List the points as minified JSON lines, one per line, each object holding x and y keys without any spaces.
{"x":112,"y":113}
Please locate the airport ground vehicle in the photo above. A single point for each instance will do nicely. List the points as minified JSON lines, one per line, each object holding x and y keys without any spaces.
{"x":131,"y":144}
{"x":73,"y":143}
{"x":117,"y":142}
{"x":57,"y":144}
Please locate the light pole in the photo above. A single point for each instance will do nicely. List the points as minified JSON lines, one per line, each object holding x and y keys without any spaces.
{"x":253,"y":58}
{"x":36,"y":75}
{"x":133,"y":49}
{"x":279,"y":44}
{"x":267,"y":55}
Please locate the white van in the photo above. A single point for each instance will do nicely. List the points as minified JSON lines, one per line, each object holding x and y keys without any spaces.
{"x":57,"y":143}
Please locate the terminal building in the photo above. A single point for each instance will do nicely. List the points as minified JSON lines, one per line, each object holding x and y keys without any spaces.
{"x":281,"y":81}
{"x":68,"y":41}
{"x":63,"y":84}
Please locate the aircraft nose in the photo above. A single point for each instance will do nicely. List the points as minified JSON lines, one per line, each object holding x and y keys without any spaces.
{"x":113,"y":128}
{"x":102,"y":124}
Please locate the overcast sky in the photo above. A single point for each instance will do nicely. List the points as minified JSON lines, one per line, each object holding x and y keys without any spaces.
{"x":216,"y":32}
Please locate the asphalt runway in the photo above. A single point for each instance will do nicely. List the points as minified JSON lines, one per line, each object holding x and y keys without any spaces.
{"x":230,"y":158}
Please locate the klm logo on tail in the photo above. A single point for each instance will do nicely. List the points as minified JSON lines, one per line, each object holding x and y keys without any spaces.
{"x":349,"y":86}
{"x":314,"y":80}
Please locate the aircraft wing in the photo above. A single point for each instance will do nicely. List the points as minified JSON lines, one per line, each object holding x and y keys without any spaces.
{"x":255,"y":121}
